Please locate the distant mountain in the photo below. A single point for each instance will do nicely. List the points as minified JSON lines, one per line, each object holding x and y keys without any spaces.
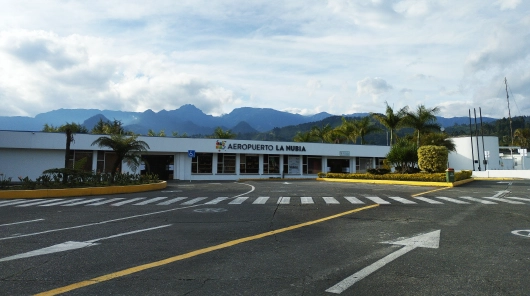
{"x":186,"y":119}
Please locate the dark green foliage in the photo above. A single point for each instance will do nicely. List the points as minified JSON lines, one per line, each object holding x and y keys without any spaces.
{"x":379,"y":171}
{"x":433,"y":159}
{"x":403,"y":156}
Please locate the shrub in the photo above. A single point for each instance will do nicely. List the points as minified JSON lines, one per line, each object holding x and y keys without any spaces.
{"x":433,"y":159}
{"x":379,"y":171}
{"x":403,"y":156}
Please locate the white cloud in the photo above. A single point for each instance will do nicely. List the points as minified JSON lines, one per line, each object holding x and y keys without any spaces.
{"x":372,"y":86}
{"x":508,"y":4}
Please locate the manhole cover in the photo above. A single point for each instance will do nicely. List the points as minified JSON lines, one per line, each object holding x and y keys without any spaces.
{"x":210,"y":210}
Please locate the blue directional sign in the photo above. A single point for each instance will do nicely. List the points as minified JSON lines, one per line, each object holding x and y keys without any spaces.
{"x":191,"y":153}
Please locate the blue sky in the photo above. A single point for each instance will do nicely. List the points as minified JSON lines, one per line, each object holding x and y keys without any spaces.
{"x":305,"y":57}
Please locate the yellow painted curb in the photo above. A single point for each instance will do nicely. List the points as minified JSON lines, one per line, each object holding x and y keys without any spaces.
{"x":40,"y":193}
{"x":393,"y":182}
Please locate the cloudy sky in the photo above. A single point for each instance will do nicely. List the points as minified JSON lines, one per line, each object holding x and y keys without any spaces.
{"x":337,"y":56}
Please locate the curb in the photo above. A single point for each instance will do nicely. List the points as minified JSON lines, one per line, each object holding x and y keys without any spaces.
{"x":43,"y":193}
{"x":391,"y":182}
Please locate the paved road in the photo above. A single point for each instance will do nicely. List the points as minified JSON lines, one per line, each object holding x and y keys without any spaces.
{"x":271,"y":238}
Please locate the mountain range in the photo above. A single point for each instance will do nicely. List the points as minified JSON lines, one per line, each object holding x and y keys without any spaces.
{"x":186,"y":119}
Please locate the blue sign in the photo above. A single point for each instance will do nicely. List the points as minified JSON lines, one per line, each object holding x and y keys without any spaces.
{"x":191,"y":153}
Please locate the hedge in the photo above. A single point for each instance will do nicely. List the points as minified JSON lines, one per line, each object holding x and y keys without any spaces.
{"x":425,"y":177}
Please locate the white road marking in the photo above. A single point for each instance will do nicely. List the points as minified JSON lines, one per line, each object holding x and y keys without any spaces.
{"x":39,"y":202}
{"x":486,"y":202}
{"x":330,"y":200}
{"x":353,"y":200}
{"x":284,"y":200}
{"x":518,"y":198}
{"x":402,"y":200}
{"x":18,"y":202}
{"x":377,"y":200}
{"x":105,"y":201}
{"x":21,"y":222}
{"x":216,"y":200}
{"x":238,"y":200}
{"x":305,"y":200}
{"x":192,"y":201}
{"x":71,"y":245}
{"x":121,"y":203}
{"x":61,"y":202}
{"x":82,"y":202}
{"x":152,"y":200}
{"x":428,"y":200}
{"x":261,"y":200}
{"x":174,"y":200}
{"x":504,"y":200}
{"x":452,"y":200}
{"x":427,"y":240}
{"x":8,"y":201}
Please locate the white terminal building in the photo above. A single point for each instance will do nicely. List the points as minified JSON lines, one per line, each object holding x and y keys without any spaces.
{"x":30,"y":153}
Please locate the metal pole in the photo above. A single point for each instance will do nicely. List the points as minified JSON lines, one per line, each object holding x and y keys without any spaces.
{"x":482,"y":132}
{"x":471,"y":137}
{"x":476,"y":135}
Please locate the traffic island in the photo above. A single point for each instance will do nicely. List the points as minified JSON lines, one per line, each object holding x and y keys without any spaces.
{"x":87,"y":191}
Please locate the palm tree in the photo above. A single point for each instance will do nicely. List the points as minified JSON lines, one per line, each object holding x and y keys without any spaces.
{"x":365,"y":127}
{"x":219,"y":133}
{"x":108,"y":128}
{"x":438,"y":139}
{"x":348,"y":129}
{"x":303,"y":137}
{"x":322,"y":133}
{"x":392,"y":121}
{"x":422,"y":120}
{"x":126,"y":148}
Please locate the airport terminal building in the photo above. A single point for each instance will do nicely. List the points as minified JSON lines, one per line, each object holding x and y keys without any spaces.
{"x":30,"y":153}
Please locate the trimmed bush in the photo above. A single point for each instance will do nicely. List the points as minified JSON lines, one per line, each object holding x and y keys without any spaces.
{"x":421,"y":177}
{"x":433,"y":159}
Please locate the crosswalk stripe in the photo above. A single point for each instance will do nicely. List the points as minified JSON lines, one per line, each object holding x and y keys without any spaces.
{"x":121,"y":203}
{"x":82,"y":202}
{"x":261,"y":200}
{"x":378,"y":200}
{"x":428,"y":200}
{"x":238,"y":200}
{"x":353,"y":200}
{"x":486,"y":202}
{"x":105,"y":201}
{"x":19,"y":202}
{"x":504,"y":200}
{"x":452,"y":200}
{"x":216,"y":201}
{"x":192,"y":201}
{"x":518,"y":198}
{"x":152,"y":200}
{"x":61,"y":202}
{"x":39,"y":202}
{"x":402,"y":200}
{"x":330,"y":200}
{"x":168,"y":202}
{"x":284,"y":200}
{"x":8,"y":201}
{"x":305,"y":200}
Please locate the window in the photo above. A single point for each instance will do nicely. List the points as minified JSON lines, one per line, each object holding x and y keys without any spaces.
{"x":271,"y":164}
{"x":363,"y":164}
{"x":226,"y":163}
{"x":249,"y":164}
{"x":312,"y":164}
{"x":202,"y":163}
{"x":106,"y":161}
{"x":80,"y":157}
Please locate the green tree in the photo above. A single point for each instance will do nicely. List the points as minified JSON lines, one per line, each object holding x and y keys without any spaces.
{"x":219,"y":133}
{"x":322,"y":133}
{"x":108,"y":128}
{"x":152,"y":133}
{"x":348,"y":129}
{"x":303,"y":137}
{"x":391,"y":120}
{"x":422,"y":120}
{"x":365,"y":127}
{"x":522,"y":137}
{"x":403,"y":156}
{"x":125,"y":147}
{"x":438,"y":139}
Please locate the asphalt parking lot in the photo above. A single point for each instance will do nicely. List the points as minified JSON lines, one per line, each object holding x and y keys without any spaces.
{"x":271,"y":238}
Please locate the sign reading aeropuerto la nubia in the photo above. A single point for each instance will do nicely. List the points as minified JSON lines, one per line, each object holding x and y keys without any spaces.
{"x":222,"y":145}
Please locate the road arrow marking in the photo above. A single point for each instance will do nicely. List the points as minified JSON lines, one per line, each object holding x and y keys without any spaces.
{"x":67,"y":246}
{"x":427,"y":240}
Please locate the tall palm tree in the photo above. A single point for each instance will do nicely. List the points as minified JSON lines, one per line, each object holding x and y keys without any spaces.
{"x":322,"y":133}
{"x":125,"y":147}
{"x":303,"y":137}
{"x":392,"y":121}
{"x":348,"y":129}
{"x":365,"y":127}
{"x":422,"y":120}
{"x":219,"y":133}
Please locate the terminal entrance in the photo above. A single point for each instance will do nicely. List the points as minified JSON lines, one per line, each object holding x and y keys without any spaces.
{"x":338,"y":165}
{"x":162,"y":165}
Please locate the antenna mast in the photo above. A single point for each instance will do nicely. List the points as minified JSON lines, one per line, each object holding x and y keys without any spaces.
{"x":509,"y":114}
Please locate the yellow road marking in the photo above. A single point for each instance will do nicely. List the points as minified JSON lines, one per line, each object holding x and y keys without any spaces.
{"x":139,"y":268}
{"x":418,"y":194}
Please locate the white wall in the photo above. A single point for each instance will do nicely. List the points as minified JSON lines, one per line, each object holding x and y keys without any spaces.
{"x":465,"y":152}
{"x":30,"y":163}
